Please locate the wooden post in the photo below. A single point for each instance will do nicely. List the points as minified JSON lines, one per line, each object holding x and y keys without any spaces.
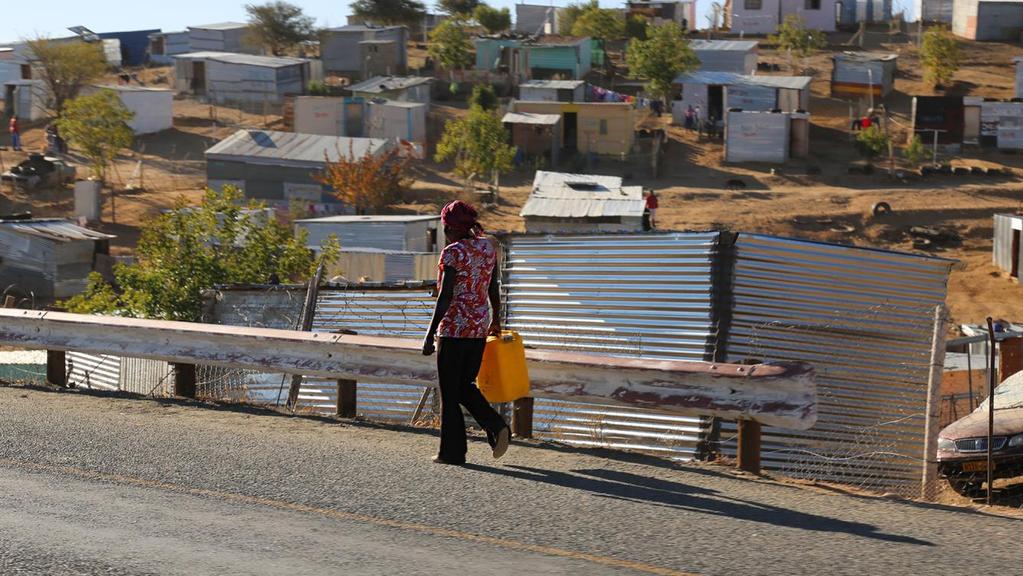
{"x":56,"y":367}
{"x":932,"y":423}
{"x":10,"y":301}
{"x":306,"y":325}
{"x":749,"y":446}
{"x":1010,"y":357}
{"x":184,"y":380}
{"x":347,"y":398}
{"x":522,"y":418}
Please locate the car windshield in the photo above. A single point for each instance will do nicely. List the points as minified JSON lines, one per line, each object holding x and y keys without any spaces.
{"x":1008,"y":394}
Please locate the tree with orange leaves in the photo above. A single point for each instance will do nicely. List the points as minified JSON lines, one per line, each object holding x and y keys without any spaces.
{"x":369,"y":183}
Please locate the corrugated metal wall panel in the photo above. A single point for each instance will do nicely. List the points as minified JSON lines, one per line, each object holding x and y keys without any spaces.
{"x":864,"y":319}
{"x":93,"y":372}
{"x":146,"y":377}
{"x":757,"y":137}
{"x":755,"y":98}
{"x":1002,"y":255}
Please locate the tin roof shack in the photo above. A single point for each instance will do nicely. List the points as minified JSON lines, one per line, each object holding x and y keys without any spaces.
{"x":987,"y":20}
{"x":221,"y":37}
{"x":344,"y":53}
{"x":941,"y":116}
{"x":554,"y":57}
{"x":50,"y":258}
{"x":535,"y":134}
{"x":561,"y":202}
{"x":397,"y":88}
{"x":243,"y":80}
{"x":153,"y":107}
{"x":712,"y":93}
{"x":403,"y":122}
{"x":401,"y":233}
{"x":738,"y":56}
{"x":589,"y":127}
{"x":133,"y":44}
{"x":281,"y":167}
{"x":536,"y":19}
{"x":26,"y":99}
{"x":1007,"y":246}
{"x":937,"y":11}
{"x":553,"y":91}
{"x":1001,"y":123}
{"x":858,"y":74}
{"x":164,"y":45}
{"x":763,"y":16}
{"x":358,"y":117}
{"x":657,"y":12}
{"x":766,"y":136}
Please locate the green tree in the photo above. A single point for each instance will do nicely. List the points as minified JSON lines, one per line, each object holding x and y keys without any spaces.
{"x":478,"y":143}
{"x":568,"y":15}
{"x":406,"y":12}
{"x":278,"y":26}
{"x":871,"y":142}
{"x":661,"y":58}
{"x":636,"y":27}
{"x":492,"y":19}
{"x":450,"y":45}
{"x":97,"y":125}
{"x":939,"y":54}
{"x":188,"y":250}
{"x":796,"y":39}
{"x":66,"y":67}
{"x":602,"y":23}
{"x":463,"y":8}
{"x":483,"y":95}
{"x":915,"y":152}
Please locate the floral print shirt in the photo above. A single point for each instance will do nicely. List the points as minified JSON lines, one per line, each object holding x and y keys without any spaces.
{"x":473,"y":260}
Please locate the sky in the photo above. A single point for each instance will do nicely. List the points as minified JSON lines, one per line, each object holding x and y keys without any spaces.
{"x":20,"y":20}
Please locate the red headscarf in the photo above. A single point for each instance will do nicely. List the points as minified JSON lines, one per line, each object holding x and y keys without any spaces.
{"x":461,"y":217}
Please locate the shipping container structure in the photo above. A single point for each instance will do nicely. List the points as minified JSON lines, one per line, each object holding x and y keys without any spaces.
{"x":49,"y":258}
{"x":561,"y":202}
{"x":738,"y":56}
{"x":240,"y":79}
{"x":152,"y":107}
{"x":221,"y":37}
{"x":544,"y":57}
{"x":536,"y":19}
{"x":397,"y":88}
{"x":1007,"y":246}
{"x":940,"y":116}
{"x":764,"y":16}
{"x":712,"y":93}
{"x":282,"y":167}
{"x":344,"y":53}
{"x":772,"y":137}
{"x":988,"y":20}
{"x":26,"y":99}
{"x":133,"y":45}
{"x":936,"y":11}
{"x":589,"y":127}
{"x":397,"y":233}
{"x":553,"y":91}
{"x":163,"y":46}
{"x":859,"y":74}
{"x":657,"y":12}
{"x":535,"y":134}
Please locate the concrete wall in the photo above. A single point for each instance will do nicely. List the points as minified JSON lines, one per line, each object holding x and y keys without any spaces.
{"x":620,"y":124}
{"x":153,"y":109}
{"x":772,"y":12}
{"x":340,"y":50}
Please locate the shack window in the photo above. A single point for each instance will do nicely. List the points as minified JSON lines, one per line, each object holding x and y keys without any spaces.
{"x":813,"y":4}
{"x":753,"y":4}
{"x":603,"y":127}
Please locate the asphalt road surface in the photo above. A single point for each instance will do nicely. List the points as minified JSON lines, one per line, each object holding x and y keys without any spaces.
{"x":101,"y":485}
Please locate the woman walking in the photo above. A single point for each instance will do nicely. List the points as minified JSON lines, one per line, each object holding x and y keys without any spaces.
{"x":461,"y":321}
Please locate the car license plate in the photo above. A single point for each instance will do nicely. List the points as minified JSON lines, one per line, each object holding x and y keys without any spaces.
{"x":978,"y":466}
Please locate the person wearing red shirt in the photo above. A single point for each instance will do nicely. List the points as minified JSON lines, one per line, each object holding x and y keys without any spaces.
{"x":12,"y":127}
{"x":651,"y":208}
{"x":468,"y":308}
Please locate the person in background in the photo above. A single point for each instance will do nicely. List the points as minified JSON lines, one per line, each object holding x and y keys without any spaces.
{"x":462,"y":319}
{"x":690,"y":118}
{"x":12,"y":127}
{"x":651,"y":208}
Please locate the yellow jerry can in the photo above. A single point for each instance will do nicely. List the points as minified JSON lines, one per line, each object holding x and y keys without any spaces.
{"x":503,"y":376}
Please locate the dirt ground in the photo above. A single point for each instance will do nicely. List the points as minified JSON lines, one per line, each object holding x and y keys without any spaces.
{"x":814,"y":198}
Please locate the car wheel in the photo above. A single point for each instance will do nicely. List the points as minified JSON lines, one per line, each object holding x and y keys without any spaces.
{"x":965,"y":487}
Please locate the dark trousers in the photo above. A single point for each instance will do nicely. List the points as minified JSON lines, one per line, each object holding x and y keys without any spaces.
{"x":458,"y":363}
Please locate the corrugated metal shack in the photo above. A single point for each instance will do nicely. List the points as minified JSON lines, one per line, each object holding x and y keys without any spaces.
{"x":535,"y":134}
{"x":589,"y":127}
{"x":764,"y":16}
{"x":399,"y":233}
{"x":26,"y":99}
{"x":712,"y":93}
{"x":1001,"y":123}
{"x":281,"y":167}
{"x":358,"y":117}
{"x":766,"y":136}
{"x":561,"y":202}
{"x":857,"y":74}
{"x":164,"y":45}
{"x":544,"y":57}
{"x":535,"y":19}
{"x":152,"y":107}
{"x":255,"y":82}
{"x":345,"y":50}
{"x":936,"y":11}
{"x":397,"y":88}
{"x":133,"y":45}
{"x":398,"y":121}
{"x":1007,"y":246}
{"x":987,"y":20}
{"x":553,"y":91}
{"x":221,"y":37}
{"x":738,"y":56}
{"x":854,"y":12}
{"x":49,"y":258}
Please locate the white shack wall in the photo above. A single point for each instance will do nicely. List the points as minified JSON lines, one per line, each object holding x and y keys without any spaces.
{"x":153,"y":109}
{"x":757,"y":137}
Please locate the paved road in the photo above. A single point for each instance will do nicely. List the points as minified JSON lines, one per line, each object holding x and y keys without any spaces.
{"x":98,"y":485}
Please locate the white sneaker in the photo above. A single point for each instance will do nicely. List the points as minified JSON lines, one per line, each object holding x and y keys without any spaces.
{"x":501,"y":442}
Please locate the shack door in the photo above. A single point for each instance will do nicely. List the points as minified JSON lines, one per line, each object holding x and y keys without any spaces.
{"x":1015,"y":254}
{"x":571,"y":130}
{"x":716,"y":102}
{"x":199,"y":77}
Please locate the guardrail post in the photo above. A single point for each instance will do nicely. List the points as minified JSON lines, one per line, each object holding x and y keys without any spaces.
{"x":184,"y":380}
{"x":347,"y":398}
{"x":522,"y":418}
{"x":749,"y":446}
{"x":56,"y":367}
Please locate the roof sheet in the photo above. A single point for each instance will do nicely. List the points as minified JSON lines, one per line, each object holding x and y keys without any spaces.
{"x":220,"y":26}
{"x":271,"y":147}
{"x":351,"y":219}
{"x":553,"y":84}
{"x":563,"y":195}
{"x":531,"y":118}
{"x":378,"y":84}
{"x":131,"y":88}
{"x":731,"y":45}
{"x":865,"y":56}
{"x":53,"y":229}
{"x":361,"y":28}
{"x":733,"y":79}
{"x":245,"y":59}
